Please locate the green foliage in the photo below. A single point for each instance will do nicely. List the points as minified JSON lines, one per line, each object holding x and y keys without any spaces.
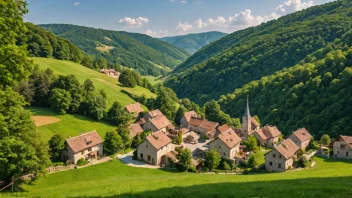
{"x":146,"y":55}
{"x":117,"y":115}
{"x":251,"y":144}
{"x":94,"y":106}
{"x":303,"y":162}
{"x":127,"y":78}
{"x":194,"y":42}
{"x":227,"y":166}
{"x":71,"y":84}
{"x":212,"y":159}
{"x":88,"y":86}
{"x":325,"y":139}
{"x":60,"y":100}
{"x":124,"y":132}
{"x":112,"y":142}
{"x":82,"y":162}
{"x":313,"y":144}
{"x":185,"y":159}
{"x":255,"y":159}
{"x":56,"y":145}
{"x":214,"y":113}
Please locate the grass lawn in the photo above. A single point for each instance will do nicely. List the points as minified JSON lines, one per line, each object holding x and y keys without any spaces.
{"x":329,"y":178}
{"x":69,"y":125}
{"x":101,"y":81}
{"x":153,"y":80}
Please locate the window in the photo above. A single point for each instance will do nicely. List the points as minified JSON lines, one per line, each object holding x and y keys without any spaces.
{"x":219,"y":147}
{"x":89,"y":149}
{"x":279,"y":165}
{"x":141,"y":155}
{"x":274,"y":155}
{"x":270,"y":163}
{"x":149,"y":158}
{"x":346,"y":154}
{"x":146,"y":145}
{"x":343,"y":146}
{"x":279,"y":156}
{"x":224,"y":153}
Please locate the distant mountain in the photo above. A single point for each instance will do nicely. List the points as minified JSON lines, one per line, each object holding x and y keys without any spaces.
{"x":193,"y":42}
{"x":149,"y":56}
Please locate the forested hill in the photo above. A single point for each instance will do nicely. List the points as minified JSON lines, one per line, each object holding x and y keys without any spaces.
{"x":256,"y":52}
{"x":147,"y":55}
{"x":194,"y":42}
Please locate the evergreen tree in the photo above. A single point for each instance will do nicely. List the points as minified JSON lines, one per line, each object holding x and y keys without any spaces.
{"x":56,"y":145}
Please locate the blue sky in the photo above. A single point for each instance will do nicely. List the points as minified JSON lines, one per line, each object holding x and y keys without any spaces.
{"x":159,"y":18}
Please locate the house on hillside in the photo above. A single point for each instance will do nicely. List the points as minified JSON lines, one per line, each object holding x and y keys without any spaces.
{"x":88,"y":146}
{"x":281,"y":157}
{"x":135,"y":108}
{"x":158,"y":124}
{"x":156,"y":149}
{"x":203,"y":126}
{"x":110,"y":72}
{"x":342,"y":147}
{"x":301,"y":137}
{"x":135,"y":129}
{"x":227,"y":144}
{"x":249,"y":123}
{"x":153,"y":114}
{"x":186,"y":118}
{"x":267,"y":136}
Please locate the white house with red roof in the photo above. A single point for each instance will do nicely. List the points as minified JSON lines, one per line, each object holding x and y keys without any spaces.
{"x":342,"y":147}
{"x":301,"y":137}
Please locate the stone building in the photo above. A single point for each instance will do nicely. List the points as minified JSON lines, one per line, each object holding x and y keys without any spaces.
{"x":281,"y":157}
{"x":249,"y":123}
{"x":342,"y":147}
{"x":227,"y":144}
{"x":187,"y":117}
{"x":203,"y":127}
{"x":301,"y":137}
{"x":267,"y":136}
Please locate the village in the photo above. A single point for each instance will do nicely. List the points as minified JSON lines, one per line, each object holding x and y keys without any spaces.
{"x":164,"y":142}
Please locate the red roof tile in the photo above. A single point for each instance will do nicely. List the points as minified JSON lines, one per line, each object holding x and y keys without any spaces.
{"x":287,"y":148}
{"x":302,"y":134}
{"x":135,"y":129}
{"x":190,"y":114}
{"x":254,"y":122}
{"x":160,"y":122}
{"x":268,"y":132}
{"x":84,"y":141}
{"x":158,"y":139}
{"x":231,"y":139}
{"x":134,"y":108}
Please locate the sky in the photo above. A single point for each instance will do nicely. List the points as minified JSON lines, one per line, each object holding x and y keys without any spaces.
{"x":161,"y":18}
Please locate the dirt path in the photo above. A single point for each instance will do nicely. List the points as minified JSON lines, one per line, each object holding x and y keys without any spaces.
{"x":44,"y":120}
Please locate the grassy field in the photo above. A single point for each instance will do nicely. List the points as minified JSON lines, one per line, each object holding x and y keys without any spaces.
{"x":101,"y":81}
{"x":329,"y":178}
{"x":69,"y":125}
{"x":153,"y":80}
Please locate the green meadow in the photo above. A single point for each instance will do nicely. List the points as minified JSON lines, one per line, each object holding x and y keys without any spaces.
{"x":101,"y":81}
{"x":329,"y":178}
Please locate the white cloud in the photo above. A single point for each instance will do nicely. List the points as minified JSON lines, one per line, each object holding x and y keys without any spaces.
{"x":133,"y":23}
{"x":76,"y":3}
{"x":160,"y":33}
{"x":184,"y":27}
{"x":184,"y":1}
{"x":291,"y":6}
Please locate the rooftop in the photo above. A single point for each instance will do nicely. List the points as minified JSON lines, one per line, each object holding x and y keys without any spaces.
{"x":84,"y":141}
{"x":302,"y":134}
{"x":158,"y":139}
{"x":134,"y":108}
{"x":287,"y":148}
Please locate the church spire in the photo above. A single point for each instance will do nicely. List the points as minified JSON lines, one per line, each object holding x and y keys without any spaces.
{"x":247,"y":113}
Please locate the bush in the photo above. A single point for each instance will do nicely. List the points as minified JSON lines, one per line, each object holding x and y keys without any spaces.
{"x":303,"y":162}
{"x":82,"y":162}
{"x":192,"y":169}
{"x":134,"y":157}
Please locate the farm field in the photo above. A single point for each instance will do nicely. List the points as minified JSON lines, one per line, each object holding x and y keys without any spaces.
{"x":69,"y":125}
{"x":101,"y":81}
{"x":329,"y":178}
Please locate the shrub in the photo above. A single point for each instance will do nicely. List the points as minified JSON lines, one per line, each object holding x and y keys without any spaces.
{"x":325,"y":139}
{"x":82,"y":162}
{"x":192,"y":169}
{"x":134,"y":157}
{"x":303,"y":162}
{"x":227,"y":166}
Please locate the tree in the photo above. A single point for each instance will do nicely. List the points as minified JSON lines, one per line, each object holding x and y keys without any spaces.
{"x":112,"y":142}
{"x":117,"y":115}
{"x":88,"y":86}
{"x":303,"y":162}
{"x":124,"y":132}
{"x":56,"y":145}
{"x":103,"y":93}
{"x":27,"y":90}
{"x":251,"y":144}
{"x":127,"y":78}
{"x":87,"y":61}
{"x":94,"y":106}
{"x":60,"y":100}
{"x":254,"y":159}
{"x":212,"y":159}
{"x":213,"y":112}
{"x":325,"y":139}
{"x":186,"y":159}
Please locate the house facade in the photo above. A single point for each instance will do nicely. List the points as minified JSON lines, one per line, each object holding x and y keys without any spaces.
{"x":157,"y":124}
{"x":281,"y":157}
{"x":156,"y":149}
{"x":342,"y":147}
{"x":88,"y":146}
{"x":203,"y":126}
{"x":267,"y":136}
{"x":301,"y":138}
{"x":186,"y":118}
{"x":227,"y":144}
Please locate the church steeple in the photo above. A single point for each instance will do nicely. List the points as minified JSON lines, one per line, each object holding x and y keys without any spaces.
{"x":246,"y":121}
{"x":247,"y":113}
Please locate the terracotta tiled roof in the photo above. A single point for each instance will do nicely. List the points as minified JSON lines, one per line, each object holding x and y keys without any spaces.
{"x":287,"y":148}
{"x":224,"y":128}
{"x":184,"y":130}
{"x":346,"y":139}
{"x":141,"y":121}
{"x":254,"y":122}
{"x":208,"y":125}
{"x":158,"y":140}
{"x":302,"y":134}
{"x":231,"y":139}
{"x":84,"y":141}
{"x":195,"y":121}
{"x":155,"y":113}
{"x":134,"y":108}
{"x":190,"y":114}
{"x":268,"y":132}
{"x":160,"y":122}
{"x":135,"y":129}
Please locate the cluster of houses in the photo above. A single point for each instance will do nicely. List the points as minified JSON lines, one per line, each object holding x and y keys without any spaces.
{"x":110,"y":72}
{"x":158,"y":149}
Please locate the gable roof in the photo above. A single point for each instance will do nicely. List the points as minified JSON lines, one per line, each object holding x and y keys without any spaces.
{"x":134,"y":108}
{"x":302,"y":134}
{"x":155,"y":113}
{"x":287,"y":148}
{"x":254,"y":122}
{"x":208,"y":125}
{"x":195,"y":121}
{"x":160,"y":122}
{"x":189,"y":115}
{"x":231,"y":139}
{"x":268,"y":132}
{"x":223,"y":128}
{"x":135,"y":129}
{"x":346,"y":139}
{"x":84,"y":141}
{"x":158,"y":139}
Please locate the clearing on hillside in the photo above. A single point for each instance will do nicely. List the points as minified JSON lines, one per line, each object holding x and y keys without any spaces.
{"x":104,"y":48}
{"x":44,"y":120}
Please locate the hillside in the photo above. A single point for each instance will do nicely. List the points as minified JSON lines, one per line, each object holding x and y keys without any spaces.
{"x":193,"y":42}
{"x":101,"y":81}
{"x":253,"y":53}
{"x":147,"y":55}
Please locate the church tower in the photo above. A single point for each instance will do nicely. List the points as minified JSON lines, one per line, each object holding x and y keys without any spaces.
{"x":246,"y":121}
